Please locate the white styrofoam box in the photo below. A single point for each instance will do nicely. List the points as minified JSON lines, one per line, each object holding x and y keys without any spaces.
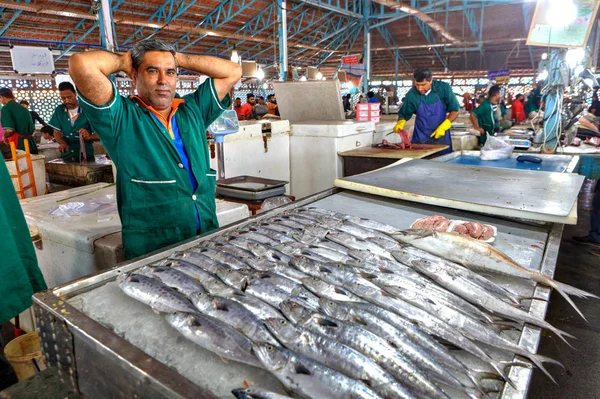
{"x":49,"y":150}
{"x":313,"y":152}
{"x":39,"y":173}
{"x":245,"y":152}
{"x":231,"y":212}
{"x":374,"y":106}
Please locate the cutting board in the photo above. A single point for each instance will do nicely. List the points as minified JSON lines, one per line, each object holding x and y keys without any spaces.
{"x":418,"y":151}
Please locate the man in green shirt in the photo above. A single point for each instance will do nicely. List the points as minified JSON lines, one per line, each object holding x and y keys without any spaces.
{"x":534,"y":100}
{"x":16,"y":122}
{"x":165,"y":187}
{"x":21,"y":277}
{"x":483,"y":117}
{"x":435,"y":105}
{"x":71,"y":127}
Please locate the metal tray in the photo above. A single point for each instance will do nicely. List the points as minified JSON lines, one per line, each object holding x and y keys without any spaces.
{"x":226,"y":191}
{"x":250,"y":183}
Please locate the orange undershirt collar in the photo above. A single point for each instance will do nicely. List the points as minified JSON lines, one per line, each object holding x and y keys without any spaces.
{"x":165,"y":121}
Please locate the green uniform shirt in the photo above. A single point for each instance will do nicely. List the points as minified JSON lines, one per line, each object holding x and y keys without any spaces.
{"x":21,"y":277}
{"x":60,"y":121}
{"x":533,"y":101}
{"x":439,"y":90}
{"x":154,"y":193}
{"x":486,"y":119}
{"x":17,"y":117}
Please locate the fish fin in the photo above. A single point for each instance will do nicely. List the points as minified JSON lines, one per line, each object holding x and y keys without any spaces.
{"x":478,"y":376}
{"x":340,"y":291}
{"x":500,"y":367}
{"x":358,"y":320}
{"x":386,"y":270}
{"x":558,"y":287}
{"x":562,"y":334}
{"x":366,"y":382}
{"x":326,"y":323}
{"x":576,"y":291}
{"x":220,"y":306}
{"x":507,"y":325}
{"x":301,"y":369}
{"x":244,"y":285}
{"x":134,"y":279}
{"x":368,"y":276}
{"x":276,"y":256}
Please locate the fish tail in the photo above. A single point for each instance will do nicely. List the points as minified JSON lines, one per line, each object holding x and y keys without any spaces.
{"x":559,"y":287}
{"x":539,"y":361}
{"x":561,"y":334}
{"x":507,"y":325}
{"x":576,"y":291}
{"x":500,"y":367}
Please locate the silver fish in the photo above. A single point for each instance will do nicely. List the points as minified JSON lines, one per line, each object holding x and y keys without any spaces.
{"x":257,"y":393}
{"x":154,"y":294}
{"x":314,"y":209}
{"x":198,"y":259}
{"x":480,"y":256}
{"x":308,"y":377}
{"x":233,"y":314}
{"x":329,"y":291}
{"x":228,"y":247}
{"x":207,"y":279}
{"x":337,"y":356}
{"x":175,"y":279}
{"x":221,"y":256}
{"x":281,"y":268}
{"x":215,"y":336}
{"x":372,"y":224}
{"x":282,"y":228}
{"x":260,"y":309}
{"x":377,"y":349}
{"x":364,"y":233}
{"x":285,"y":221}
{"x":352,"y":242}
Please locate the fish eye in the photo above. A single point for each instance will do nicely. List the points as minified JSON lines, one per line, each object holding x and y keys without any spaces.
{"x":331,"y":303}
{"x":282,"y":322}
{"x":270,"y":348}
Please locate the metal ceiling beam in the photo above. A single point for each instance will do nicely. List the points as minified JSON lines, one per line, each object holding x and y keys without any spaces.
{"x":337,"y":43}
{"x":420,"y":16}
{"x":161,"y":13}
{"x":389,"y":39}
{"x":220,"y":15}
{"x":127,"y":20}
{"x":527,"y":17}
{"x":336,"y":6}
{"x":469,"y":15}
{"x":10,"y":21}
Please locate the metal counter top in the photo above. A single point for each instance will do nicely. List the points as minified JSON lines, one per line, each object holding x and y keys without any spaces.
{"x":550,"y":162}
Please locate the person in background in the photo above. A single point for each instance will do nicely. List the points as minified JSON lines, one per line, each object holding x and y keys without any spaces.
{"x":72,"y":127}
{"x":435,"y":106}
{"x":48,"y":133}
{"x":260,"y":109}
{"x":346,"y":102}
{"x":595,"y":107}
{"x":372,"y":98}
{"x":21,"y":276}
{"x":16,"y":122}
{"x":272,"y":104}
{"x":593,"y":237}
{"x":246,"y":109}
{"x":157,"y":140}
{"x":534,"y":100}
{"x":467,"y":102}
{"x":518,"y":112}
{"x":480,"y":100}
{"x":361,"y":99}
{"x":34,"y":115}
{"x":483,"y":118}
{"x":237,"y":107}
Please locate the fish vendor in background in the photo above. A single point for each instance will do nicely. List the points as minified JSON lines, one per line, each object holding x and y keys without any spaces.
{"x":21,"y":276}
{"x":157,"y":140}
{"x":435,"y":106}
{"x":483,"y":118}
{"x":17,"y":122}
{"x":71,"y":127}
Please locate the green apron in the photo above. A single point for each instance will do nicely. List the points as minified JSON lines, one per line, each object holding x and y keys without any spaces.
{"x":154,"y":193}
{"x":21,"y":277}
{"x":60,"y":121}
{"x":17,"y":117}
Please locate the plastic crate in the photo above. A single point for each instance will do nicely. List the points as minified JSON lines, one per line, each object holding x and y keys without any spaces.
{"x":374,"y":106}
{"x":362,"y":118}
{"x":373,"y":112}
{"x":362,"y":107}
{"x":363,"y":113}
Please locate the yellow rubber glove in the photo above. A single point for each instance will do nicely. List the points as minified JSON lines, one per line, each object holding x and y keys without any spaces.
{"x":441,"y":129}
{"x":400,"y":125}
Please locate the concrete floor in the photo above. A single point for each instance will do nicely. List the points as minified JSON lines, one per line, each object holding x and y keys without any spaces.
{"x":578,"y":267}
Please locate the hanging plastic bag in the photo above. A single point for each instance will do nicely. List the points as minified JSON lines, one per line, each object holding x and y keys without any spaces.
{"x":495,"y":149}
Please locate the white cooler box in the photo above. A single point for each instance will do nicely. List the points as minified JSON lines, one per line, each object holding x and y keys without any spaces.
{"x":314,"y":147}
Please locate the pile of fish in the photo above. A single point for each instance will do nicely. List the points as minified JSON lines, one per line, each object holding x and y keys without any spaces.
{"x":337,"y":306}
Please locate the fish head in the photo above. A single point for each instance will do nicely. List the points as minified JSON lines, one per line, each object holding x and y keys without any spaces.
{"x":411,"y":235}
{"x":272,"y":357}
{"x":179,"y":319}
{"x":333,"y":309}
{"x":201,"y":300}
{"x":257,"y":248}
{"x":282,"y":329}
{"x":233,"y":277}
{"x":146,"y":271}
{"x":242,"y":393}
{"x":122,"y":279}
{"x":314,"y":284}
{"x":260,"y":263}
{"x":294,"y":312}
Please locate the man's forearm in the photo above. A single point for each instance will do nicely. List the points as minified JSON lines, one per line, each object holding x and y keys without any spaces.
{"x":58,"y":137}
{"x":104,"y":61}
{"x":8,"y":133}
{"x":474,"y":121}
{"x":452,"y":116}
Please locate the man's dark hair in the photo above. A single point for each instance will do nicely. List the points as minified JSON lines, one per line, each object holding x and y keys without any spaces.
{"x":66,"y":86}
{"x":142,"y":47}
{"x":237,"y":98}
{"x":249,"y":96}
{"x":422,"y":74}
{"x":370,"y":94}
{"x":495,"y":89}
{"x":4,"y":92}
{"x":48,"y":129}
{"x":270,"y":96}
{"x":24,"y":102}
{"x":519,"y":96}
{"x":482,"y":96}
